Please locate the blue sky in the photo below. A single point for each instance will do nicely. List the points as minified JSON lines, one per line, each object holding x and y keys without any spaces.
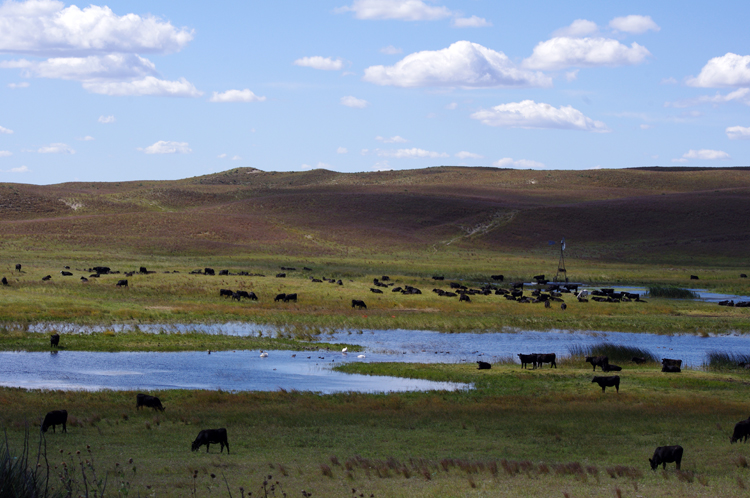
{"x":163,"y":90}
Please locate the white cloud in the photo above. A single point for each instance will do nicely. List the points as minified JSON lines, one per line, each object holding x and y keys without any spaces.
{"x":382,"y":166}
{"x":463,"y":64}
{"x":391,"y":50}
{"x":563,"y":52}
{"x":57,"y":148}
{"x":236,"y":158}
{"x":5,"y":153}
{"x":451,"y":106}
{"x":409,"y":153}
{"x":668,"y":81}
{"x":5,"y":130}
{"x":221,"y":156}
{"x":391,"y":140}
{"x":644,"y":126}
{"x":87,"y":138}
{"x":508,"y":162}
{"x":350,"y":101}
{"x":579,"y":27}
{"x":93,"y":67}
{"x":166,"y":147}
{"x":738,"y":133}
{"x":48,"y":28}
{"x":529,"y":114}
{"x":572,"y":75}
{"x":471,"y":22}
{"x":740,"y":95}
{"x":706,"y":154}
{"x":146,"y":86}
{"x":236,"y":96}
{"x":318,"y":62}
{"x":14,"y":86}
{"x":634,"y":24}
{"x":341,"y":150}
{"x":728,"y":70}
{"x":469,"y":155}
{"x":401,"y":10}
{"x":107,"y":119}
{"x":21,"y":169}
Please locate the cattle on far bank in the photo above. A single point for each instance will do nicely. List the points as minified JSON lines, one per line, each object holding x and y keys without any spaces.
{"x":671,"y":363}
{"x":209,"y":437}
{"x":666,"y":454}
{"x":597,"y":361}
{"x":357,"y":303}
{"x":483,"y":365}
{"x":55,"y":418}
{"x":741,"y":431}
{"x":54,"y":340}
{"x":670,"y":369}
{"x":605,"y":382}
{"x":148,"y":401}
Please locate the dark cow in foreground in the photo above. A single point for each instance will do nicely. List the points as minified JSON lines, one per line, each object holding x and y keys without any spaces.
{"x":147,"y":401}
{"x":121,"y":283}
{"x":605,"y":382}
{"x":611,"y":367}
{"x":597,"y":361}
{"x":483,"y":365}
{"x":666,"y":454}
{"x":211,"y":436}
{"x":671,"y":363}
{"x":741,"y":431}
{"x":54,"y":340}
{"x":356,"y":303}
{"x":290,"y":297}
{"x":279,"y":297}
{"x":670,"y":369}
{"x":541,"y":359}
{"x":694,"y":277}
{"x":54,"y":418}
{"x":526,"y":359}
{"x":465,"y":298}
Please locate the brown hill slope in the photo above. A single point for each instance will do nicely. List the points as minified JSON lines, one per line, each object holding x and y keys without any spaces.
{"x":649,"y":214}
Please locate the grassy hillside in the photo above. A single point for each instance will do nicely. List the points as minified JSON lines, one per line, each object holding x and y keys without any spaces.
{"x":664,"y":215}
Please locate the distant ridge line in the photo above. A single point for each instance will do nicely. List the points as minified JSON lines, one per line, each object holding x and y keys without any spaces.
{"x":692,"y":168}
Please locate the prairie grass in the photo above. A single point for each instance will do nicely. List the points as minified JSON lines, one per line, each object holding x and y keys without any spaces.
{"x":724,"y":360}
{"x":617,"y":353}
{"x":671,"y":292}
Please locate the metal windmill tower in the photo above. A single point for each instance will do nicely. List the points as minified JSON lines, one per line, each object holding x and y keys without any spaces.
{"x":561,"y":271}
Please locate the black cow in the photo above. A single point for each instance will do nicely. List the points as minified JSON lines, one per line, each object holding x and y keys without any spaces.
{"x":54,"y":340}
{"x":54,"y":418}
{"x":742,"y":275}
{"x":526,"y":359}
{"x":4,"y":281}
{"x":48,"y":277}
{"x":66,"y":273}
{"x":563,"y":306}
{"x":225,"y":293}
{"x":671,"y":363}
{"x":147,"y":401}
{"x":465,"y":298}
{"x":209,"y":271}
{"x":18,"y":266}
{"x":483,"y":365}
{"x":121,"y":283}
{"x":694,"y":277}
{"x":247,"y":295}
{"x":610,"y":367}
{"x":666,"y":454}
{"x":498,"y":278}
{"x":605,"y":382}
{"x":211,"y":436}
{"x":550,"y":358}
{"x":638,"y":360}
{"x":237,"y":296}
{"x":223,"y":273}
{"x":597,"y":361}
{"x":143,"y":270}
{"x":290,"y":297}
{"x":356,"y":303}
{"x":103,"y":270}
{"x":377,"y":291}
{"x":438,"y":277}
{"x":279,"y":297}
{"x":741,"y":431}
{"x":547,"y":304}
{"x":281,"y":275}
{"x":670,"y":369}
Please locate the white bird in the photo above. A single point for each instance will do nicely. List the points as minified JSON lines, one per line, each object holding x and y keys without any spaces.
{"x":360,"y":356}
{"x":263,"y":354}
{"x":344,"y":350}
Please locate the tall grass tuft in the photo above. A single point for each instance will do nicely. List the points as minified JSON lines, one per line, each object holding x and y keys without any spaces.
{"x":18,"y":476}
{"x":671,"y":292}
{"x":617,"y":353}
{"x":722,"y":360}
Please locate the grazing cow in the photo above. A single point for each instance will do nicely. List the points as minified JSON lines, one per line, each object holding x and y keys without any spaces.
{"x":54,"y":418}
{"x":741,"y":431}
{"x":605,"y":382}
{"x":526,"y":359}
{"x":143,"y":270}
{"x":147,"y":401}
{"x":103,"y":269}
{"x":483,"y":365}
{"x":610,"y":367}
{"x":281,"y":275}
{"x":356,"y":303}
{"x":465,"y":298}
{"x":247,"y":295}
{"x":209,"y":437}
{"x":54,"y":340}
{"x":290,"y":297}
{"x":547,"y":304}
{"x":550,"y":358}
{"x":694,"y":277}
{"x":671,"y":363}
{"x":279,"y":297}
{"x":209,"y":271}
{"x":306,"y":268}
{"x":377,"y":291}
{"x":48,"y":277}
{"x":4,"y":281}
{"x":638,"y":360}
{"x":237,"y":296}
{"x":438,"y":277}
{"x":339,"y":282}
{"x":538,"y":277}
{"x":121,"y":283}
{"x":563,"y":306}
{"x":742,"y":275}
{"x":498,"y":278}
{"x":666,"y":454}
{"x":18,"y":266}
{"x":670,"y":369}
{"x":597,"y":361}
{"x":66,"y":273}
{"x":225,"y":293}
{"x":84,"y":280}
{"x":223,"y":273}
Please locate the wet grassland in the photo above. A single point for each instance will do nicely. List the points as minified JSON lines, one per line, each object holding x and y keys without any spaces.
{"x":519,"y":432}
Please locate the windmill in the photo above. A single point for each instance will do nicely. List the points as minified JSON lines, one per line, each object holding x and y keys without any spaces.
{"x":561,"y":271}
